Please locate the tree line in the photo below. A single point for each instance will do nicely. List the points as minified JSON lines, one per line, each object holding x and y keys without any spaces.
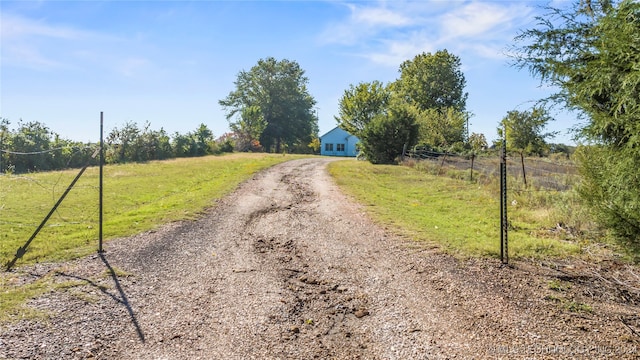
{"x":426,"y":105}
{"x":32,"y":146}
{"x":426,"y":108}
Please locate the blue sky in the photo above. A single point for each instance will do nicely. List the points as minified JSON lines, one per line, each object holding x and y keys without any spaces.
{"x":169,"y":62}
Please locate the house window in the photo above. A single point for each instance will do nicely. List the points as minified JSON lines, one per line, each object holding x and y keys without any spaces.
{"x":340,"y":147}
{"x":328,"y":147}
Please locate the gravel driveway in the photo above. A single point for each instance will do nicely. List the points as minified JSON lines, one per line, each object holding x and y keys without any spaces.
{"x":288,"y":267}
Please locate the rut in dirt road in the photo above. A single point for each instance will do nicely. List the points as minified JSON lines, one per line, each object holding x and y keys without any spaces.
{"x":296,"y":278}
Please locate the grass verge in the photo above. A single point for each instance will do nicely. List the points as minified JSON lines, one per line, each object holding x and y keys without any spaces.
{"x":13,"y":297}
{"x":460,"y":217}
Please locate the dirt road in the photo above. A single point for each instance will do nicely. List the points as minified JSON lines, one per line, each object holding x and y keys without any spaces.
{"x":288,"y":267}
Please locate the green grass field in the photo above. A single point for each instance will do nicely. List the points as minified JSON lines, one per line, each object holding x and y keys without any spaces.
{"x":458,"y":216}
{"x":137,"y":198}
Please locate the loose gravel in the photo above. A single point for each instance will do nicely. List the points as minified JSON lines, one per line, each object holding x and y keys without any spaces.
{"x":287,"y":267}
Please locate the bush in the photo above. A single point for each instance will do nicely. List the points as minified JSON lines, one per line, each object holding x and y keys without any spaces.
{"x":386,"y":135}
{"x":226,"y":146}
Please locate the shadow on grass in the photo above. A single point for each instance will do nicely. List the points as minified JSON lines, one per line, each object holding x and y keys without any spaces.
{"x":120,"y":298}
{"x":23,"y":249}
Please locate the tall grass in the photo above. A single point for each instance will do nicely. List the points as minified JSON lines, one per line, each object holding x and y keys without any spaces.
{"x":549,"y":195}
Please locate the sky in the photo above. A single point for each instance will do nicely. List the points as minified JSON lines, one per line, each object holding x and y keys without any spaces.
{"x":168,"y":63}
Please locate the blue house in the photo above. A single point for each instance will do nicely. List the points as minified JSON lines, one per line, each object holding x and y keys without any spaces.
{"x":338,"y":142}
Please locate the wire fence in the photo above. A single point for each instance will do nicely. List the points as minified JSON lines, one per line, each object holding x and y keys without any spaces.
{"x":32,"y":203}
{"x":541,"y":174}
{"x":536,"y":181}
{"x":63,"y":157}
{"x":26,"y":198}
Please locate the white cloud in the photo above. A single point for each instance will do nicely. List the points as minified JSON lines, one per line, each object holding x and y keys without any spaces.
{"x":378,"y":17}
{"x":478,"y":19}
{"x":37,"y":44}
{"x":395,"y":52}
{"x":13,"y":27}
{"x":27,"y":56}
{"x":388,"y":33}
{"x":364,"y":22}
{"x":489,"y":51}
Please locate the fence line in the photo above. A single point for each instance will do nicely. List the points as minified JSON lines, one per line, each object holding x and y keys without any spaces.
{"x":541,"y":176}
{"x":11,"y":223}
{"x":42,"y":151}
{"x":23,"y":249}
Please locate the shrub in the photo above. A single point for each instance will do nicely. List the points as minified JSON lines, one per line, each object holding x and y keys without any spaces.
{"x":386,"y":135}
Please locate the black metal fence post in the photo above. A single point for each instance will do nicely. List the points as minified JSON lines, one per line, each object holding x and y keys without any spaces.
{"x":504,"y":222}
{"x":100,"y":185}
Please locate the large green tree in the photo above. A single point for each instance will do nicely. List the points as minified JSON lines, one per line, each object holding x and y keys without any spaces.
{"x":477,"y":142}
{"x":122,"y":143}
{"x":591,"y":53}
{"x":525,"y":131}
{"x":279,"y":90}
{"x":360,"y":104}
{"x":32,"y":138}
{"x":432,"y":81}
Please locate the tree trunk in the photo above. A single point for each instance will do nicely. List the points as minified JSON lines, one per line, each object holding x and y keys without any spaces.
{"x":524,"y":174}
{"x":404,"y":151}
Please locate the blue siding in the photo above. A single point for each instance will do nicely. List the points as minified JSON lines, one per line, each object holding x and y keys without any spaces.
{"x":338,"y":142}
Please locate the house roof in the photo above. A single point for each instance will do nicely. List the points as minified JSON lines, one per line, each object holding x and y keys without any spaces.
{"x":338,"y":129}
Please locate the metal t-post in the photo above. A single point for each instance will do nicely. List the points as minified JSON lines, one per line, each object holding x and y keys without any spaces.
{"x":504,"y":222}
{"x":100,"y":185}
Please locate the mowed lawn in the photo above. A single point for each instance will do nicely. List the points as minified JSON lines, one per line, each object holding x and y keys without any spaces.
{"x":137,"y":198}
